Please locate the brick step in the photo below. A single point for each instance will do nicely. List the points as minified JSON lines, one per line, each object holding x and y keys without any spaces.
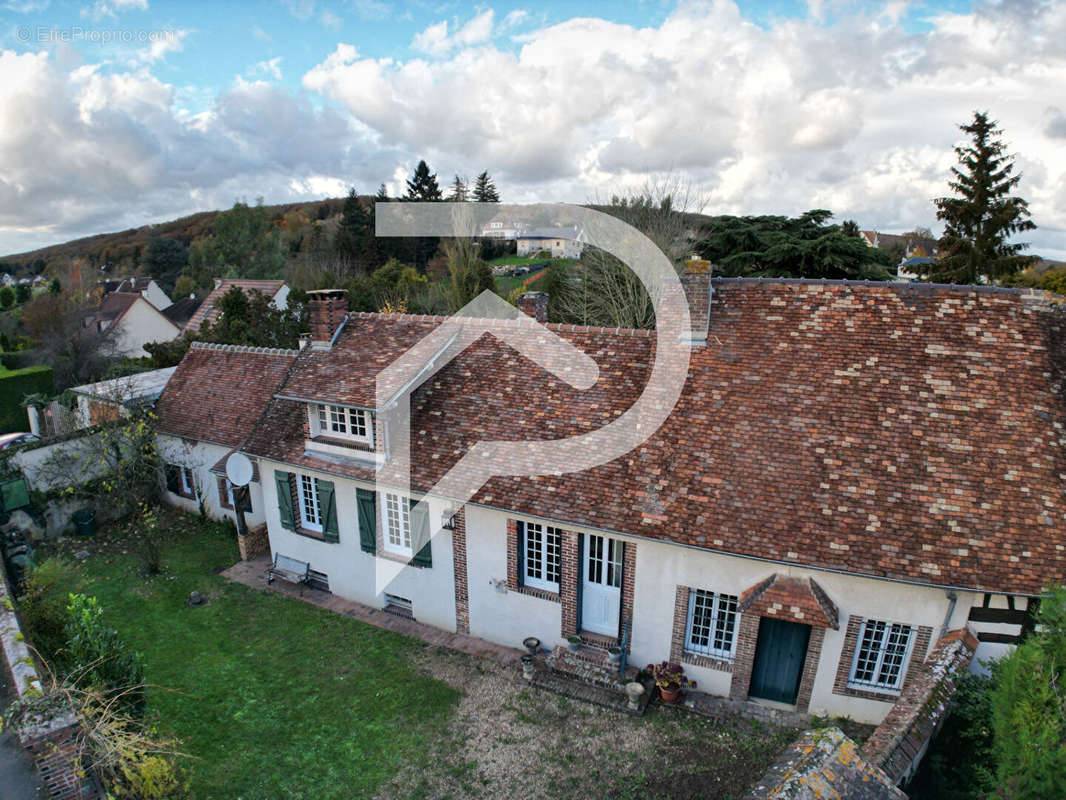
{"x":613,"y":699}
{"x":589,"y":665}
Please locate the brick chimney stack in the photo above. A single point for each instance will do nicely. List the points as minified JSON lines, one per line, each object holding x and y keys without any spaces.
{"x":328,"y":310}
{"x":534,"y":304}
{"x":695,"y":279}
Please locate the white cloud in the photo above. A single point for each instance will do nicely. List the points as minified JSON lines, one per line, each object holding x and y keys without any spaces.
{"x":261,"y":34}
{"x":271,"y":68}
{"x":163,"y":42}
{"x":436,"y":41}
{"x":112,"y":8}
{"x":330,"y":20}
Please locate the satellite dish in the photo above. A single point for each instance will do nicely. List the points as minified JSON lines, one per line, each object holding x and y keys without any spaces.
{"x":239,"y":469}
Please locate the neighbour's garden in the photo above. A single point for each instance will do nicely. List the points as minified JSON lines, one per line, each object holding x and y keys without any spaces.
{"x":265,"y":696}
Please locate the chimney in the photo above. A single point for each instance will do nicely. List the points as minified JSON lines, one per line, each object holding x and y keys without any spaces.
{"x":328,"y":309}
{"x":534,"y":304}
{"x":218,"y":282}
{"x":695,"y":279}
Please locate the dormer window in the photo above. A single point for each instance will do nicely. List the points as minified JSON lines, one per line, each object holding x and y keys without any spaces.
{"x":340,"y":422}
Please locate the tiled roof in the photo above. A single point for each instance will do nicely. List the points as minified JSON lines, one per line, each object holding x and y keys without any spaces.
{"x":116,"y":304}
{"x":207,"y":310}
{"x":180,"y":311}
{"x":792,"y":599}
{"x":904,"y":431}
{"x":218,"y":391}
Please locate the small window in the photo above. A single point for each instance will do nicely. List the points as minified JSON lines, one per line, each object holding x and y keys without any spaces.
{"x":543,"y":556}
{"x":310,"y":511}
{"x":230,"y":499}
{"x":181,"y":480}
{"x":401,"y":606}
{"x":882,"y":654}
{"x":712,"y":624}
{"x":346,"y":423}
{"x":397,"y":524}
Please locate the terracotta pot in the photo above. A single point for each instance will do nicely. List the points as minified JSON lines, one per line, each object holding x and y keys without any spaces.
{"x":670,"y":695}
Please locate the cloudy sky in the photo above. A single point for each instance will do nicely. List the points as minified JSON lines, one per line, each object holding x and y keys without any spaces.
{"x":126,"y":112}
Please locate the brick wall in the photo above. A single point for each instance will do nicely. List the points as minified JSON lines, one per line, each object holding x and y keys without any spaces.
{"x":810,"y":669}
{"x":58,"y":761}
{"x":327,"y":314}
{"x":571,"y":574}
{"x":462,"y":592}
{"x":847,"y":656}
{"x":629,"y":572}
{"x":744,"y":659}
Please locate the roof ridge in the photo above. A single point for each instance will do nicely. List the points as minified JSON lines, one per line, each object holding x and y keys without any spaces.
{"x":243,"y":348}
{"x":915,"y":286}
{"x":491,"y":321}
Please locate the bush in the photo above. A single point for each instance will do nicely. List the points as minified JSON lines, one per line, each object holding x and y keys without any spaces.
{"x":16,"y":385}
{"x":95,"y":656}
{"x":7,"y":297}
{"x":43,"y":606}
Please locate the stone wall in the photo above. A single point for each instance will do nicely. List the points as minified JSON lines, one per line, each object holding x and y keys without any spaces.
{"x":50,"y":741}
{"x":254,"y":543}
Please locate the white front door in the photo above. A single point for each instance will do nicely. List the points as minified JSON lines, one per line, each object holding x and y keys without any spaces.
{"x":601,"y":592}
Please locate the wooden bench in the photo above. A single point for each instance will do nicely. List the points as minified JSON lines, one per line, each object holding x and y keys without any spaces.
{"x":291,"y":570}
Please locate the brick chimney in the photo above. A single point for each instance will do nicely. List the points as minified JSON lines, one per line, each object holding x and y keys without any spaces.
{"x":534,"y":304}
{"x":695,"y":279}
{"x":328,"y":309}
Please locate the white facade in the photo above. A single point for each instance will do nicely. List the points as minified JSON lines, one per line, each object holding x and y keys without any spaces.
{"x":142,"y":323}
{"x":558,"y":247}
{"x":200,"y":457}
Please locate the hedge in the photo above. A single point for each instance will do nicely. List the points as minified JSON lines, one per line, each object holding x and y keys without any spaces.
{"x":14,"y":386}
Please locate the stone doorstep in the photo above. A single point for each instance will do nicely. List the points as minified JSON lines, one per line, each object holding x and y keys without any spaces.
{"x":590,"y":666}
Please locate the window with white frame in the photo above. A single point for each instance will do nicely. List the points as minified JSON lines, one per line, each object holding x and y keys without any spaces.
{"x":310,"y":511}
{"x":181,"y":480}
{"x":355,"y":424}
{"x":712,"y":624}
{"x":188,"y":482}
{"x":397,"y":524}
{"x":881,"y":655}
{"x":543,"y":556}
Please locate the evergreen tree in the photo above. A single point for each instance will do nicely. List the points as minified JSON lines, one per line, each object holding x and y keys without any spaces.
{"x":984,"y":215}
{"x":458,"y":192}
{"x":485,"y":189}
{"x":382,"y":196}
{"x":850,"y":227}
{"x":355,"y":240}
{"x":423,"y":184}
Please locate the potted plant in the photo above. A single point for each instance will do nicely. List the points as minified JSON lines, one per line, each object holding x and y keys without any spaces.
{"x":573,"y":642}
{"x":670,"y":678}
{"x":614,"y":654}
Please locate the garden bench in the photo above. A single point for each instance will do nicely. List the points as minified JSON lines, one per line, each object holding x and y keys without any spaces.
{"x":291,"y":570}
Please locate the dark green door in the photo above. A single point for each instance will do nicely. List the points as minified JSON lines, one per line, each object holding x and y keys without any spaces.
{"x":779,"y":655}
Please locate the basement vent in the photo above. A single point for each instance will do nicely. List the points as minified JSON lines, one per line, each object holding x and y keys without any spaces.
{"x":318,"y":580}
{"x":400,"y":606}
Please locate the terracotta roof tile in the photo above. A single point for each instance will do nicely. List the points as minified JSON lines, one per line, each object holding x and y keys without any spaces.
{"x":207,"y":310}
{"x":792,"y":599}
{"x":892,"y":430}
{"x":218,"y":391}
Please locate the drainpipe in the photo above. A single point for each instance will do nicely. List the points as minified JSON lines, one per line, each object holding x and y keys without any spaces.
{"x":952,"y":600}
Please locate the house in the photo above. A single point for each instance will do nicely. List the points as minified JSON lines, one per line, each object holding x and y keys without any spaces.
{"x":503,"y":226}
{"x":277,"y":291}
{"x":821,"y":505}
{"x":118,"y":397}
{"x":181,"y":311}
{"x":209,"y":408}
{"x":560,"y":242}
{"x":133,"y":322}
{"x":913,"y":268}
{"x":146,"y":287}
{"x":913,"y":246}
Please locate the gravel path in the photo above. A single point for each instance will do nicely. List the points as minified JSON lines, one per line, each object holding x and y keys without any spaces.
{"x":508,"y":740}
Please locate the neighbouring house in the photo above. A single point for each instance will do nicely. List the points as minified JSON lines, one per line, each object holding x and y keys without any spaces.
{"x":134,"y":322}
{"x":210,"y":405}
{"x":503,"y":226}
{"x":146,"y":287}
{"x":913,"y":246}
{"x":277,"y":291}
{"x":910,"y":269}
{"x":181,"y":311}
{"x":560,"y":242}
{"x":822,"y":505}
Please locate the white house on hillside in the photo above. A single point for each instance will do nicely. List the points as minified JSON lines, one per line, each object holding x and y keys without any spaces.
{"x":560,"y":242}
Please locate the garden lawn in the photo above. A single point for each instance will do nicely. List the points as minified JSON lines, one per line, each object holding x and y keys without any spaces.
{"x":273,"y":698}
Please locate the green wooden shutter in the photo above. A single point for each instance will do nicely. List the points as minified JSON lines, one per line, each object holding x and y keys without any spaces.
{"x":420,"y":532}
{"x":520,"y":527}
{"x":327,"y":502}
{"x":283,"y":480}
{"x":366,"y":504}
{"x":171,"y":472}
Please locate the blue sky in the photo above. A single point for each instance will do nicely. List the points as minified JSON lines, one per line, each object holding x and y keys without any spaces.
{"x":768,"y":107}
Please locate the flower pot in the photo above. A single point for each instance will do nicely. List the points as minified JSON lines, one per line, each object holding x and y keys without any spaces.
{"x":532,"y":644}
{"x":670,"y":695}
{"x":614,"y":654}
{"x":573,"y":642}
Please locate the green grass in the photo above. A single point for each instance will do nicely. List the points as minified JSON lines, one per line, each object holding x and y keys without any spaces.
{"x":275,"y":698}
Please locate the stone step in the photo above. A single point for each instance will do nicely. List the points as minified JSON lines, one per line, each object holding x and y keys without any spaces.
{"x":588,"y":665}
{"x":613,"y":699}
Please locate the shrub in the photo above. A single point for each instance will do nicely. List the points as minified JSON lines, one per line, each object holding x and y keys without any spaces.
{"x":43,"y":605}
{"x":14,"y":386}
{"x":95,"y":656}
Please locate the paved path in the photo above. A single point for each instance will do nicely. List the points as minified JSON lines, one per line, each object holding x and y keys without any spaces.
{"x":18,"y":778}
{"x":253,"y":573}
